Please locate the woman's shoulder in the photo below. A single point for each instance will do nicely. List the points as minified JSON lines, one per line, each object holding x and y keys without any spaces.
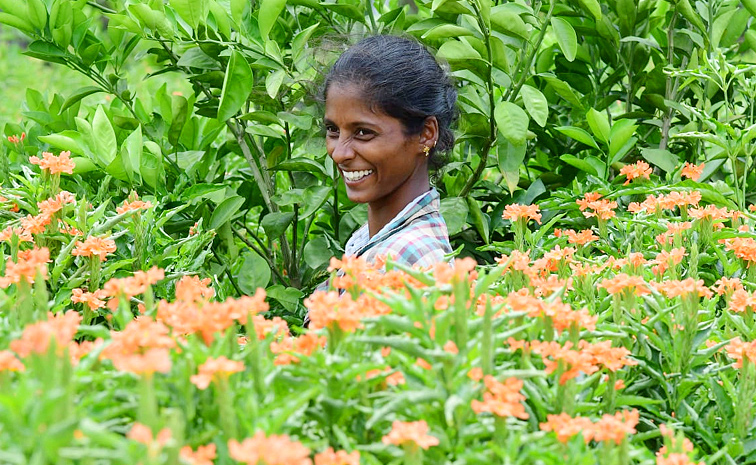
{"x":422,"y":241}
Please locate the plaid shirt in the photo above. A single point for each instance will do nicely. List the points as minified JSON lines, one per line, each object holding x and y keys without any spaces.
{"x":416,"y":236}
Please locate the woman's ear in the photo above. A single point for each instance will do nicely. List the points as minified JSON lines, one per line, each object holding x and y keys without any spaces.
{"x":429,"y":134}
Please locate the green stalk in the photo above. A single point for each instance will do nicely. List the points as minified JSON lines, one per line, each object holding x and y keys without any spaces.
{"x":147,"y":413}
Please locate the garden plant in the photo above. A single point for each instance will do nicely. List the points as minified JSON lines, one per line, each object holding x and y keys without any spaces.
{"x":161,"y":246}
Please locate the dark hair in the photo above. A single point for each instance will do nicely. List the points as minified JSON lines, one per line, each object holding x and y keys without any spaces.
{"x":402,"y":79}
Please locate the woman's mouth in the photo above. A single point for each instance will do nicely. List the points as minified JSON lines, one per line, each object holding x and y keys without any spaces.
{"x":356,"y":176}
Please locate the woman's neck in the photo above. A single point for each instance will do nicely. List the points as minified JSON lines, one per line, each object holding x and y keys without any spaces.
{"x":380,"y":213}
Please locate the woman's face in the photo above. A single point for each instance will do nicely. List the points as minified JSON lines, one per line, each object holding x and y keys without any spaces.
{"x":380,"y":165}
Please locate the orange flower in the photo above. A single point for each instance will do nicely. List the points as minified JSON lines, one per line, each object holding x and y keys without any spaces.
{"x":53,"y":164}
{"x":515,"y":212}
{"x":37,"y":336}
{"x":738,"y":350}
{"x":422,"y":363}
{"x":143,"y":434}
{"x":463,"y":269}
{"x":743,"y":247}
{"x":329,"y":457}
{"x":203,"y":456}
{"x":692,"y":171}
{"x":135,"y":205}
{"x":35,"y":224}
{"x":616,"y":427}
{"x":502,"y":399}
{"x":640,"y":169}
{"x":271,"y":450}
{"x":582,"y":237}
{"x":395,"y":378}
{"x":94,"y":245}
{"x":413,"y":432}
{"x":726,"y":285}
{"x":215,"y":369}
{"x":573,"y":361}
{"x":565,"y":427}
{"x":331,"y":309}
{"x":9,"y":362}
{"x":30,"y":263}
{"x":475,"y":373}
{"x":742,"y":301}
{"x":23,"y":236}
{"x":451,"y":348}
{"x":623,"y":282}
{"x":142,"y":347}
{"x":710,"y":212}
{"x":666,"y":259}
{"x":675,"y":459}
{"x":92,"y":299}
{"x":602,"y":208}
{"x":53,"y":205}
{"x":131,"y":286}
{"x":15,"y":138}
{"x":674,"y":288}
{"x":612,"y":358}
{"x":289,"y":349}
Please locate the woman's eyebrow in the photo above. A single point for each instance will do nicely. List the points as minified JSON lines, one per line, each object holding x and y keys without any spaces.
{"x":350,"y":124}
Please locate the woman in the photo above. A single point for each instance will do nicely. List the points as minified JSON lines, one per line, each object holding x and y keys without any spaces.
{"x":389,"y":108}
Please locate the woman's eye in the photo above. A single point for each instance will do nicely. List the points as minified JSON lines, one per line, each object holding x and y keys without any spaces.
{"x":331,"y":131}
{"x":364,"y":133}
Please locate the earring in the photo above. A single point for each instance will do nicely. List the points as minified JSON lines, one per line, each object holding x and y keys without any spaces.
{"x":426,"y":150}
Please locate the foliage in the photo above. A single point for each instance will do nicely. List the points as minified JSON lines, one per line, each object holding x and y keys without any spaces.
{"x":578,"y":343}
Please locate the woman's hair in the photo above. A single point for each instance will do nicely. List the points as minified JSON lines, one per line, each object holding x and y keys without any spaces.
{"x":402,"y":79}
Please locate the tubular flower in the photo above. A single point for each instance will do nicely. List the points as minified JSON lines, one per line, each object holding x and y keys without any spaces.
{"x":53,"y":164}
{"x":131,"y":286}
{"x":725,"y":285}
{"x":614,"y":428}
{"x":676,"y":449}
{"x":271,"y":450}
{"x":92,"y":299}
{"x":204,"y":455}
{"x":94,"y":245}
{"x":639,"y":169}
{"x":55,"y":204}
{"x":573,"y":361}
{"x":215,"y":369}
{"x":290,"y":349}
{"x":329,"y":457}
{"x":331,"y":309}
{"x":692,"y":171}
{"x":413,"y":432}
{"x":665,"y":259}
{"x":462,"y":270}
{"x":35,"y":224}
{"x":738,"y":350}
{"x":30,"y":263}
{"x":134,"y":205}
{"x":622,"y":282}
{"x":565,"y":427}
{"x":710,"y":212}
{"x":142,"y":433}
{"x":583,"y":237}
{"x":23,"y":236}
{"x":742,"y":300}
{"x":612,"y":358}
{"x":674,"y":288}
{"x":743,"y":247}
{"x":9,"y":362}
{"x":37,"y":336}
{"x":515,"y":212}
{"x":142,"y":347}
{"x":602,"y":208}
{"x":502,"y":399}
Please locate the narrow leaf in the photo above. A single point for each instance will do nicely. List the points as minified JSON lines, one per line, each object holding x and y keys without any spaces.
{"x":237,"y":85}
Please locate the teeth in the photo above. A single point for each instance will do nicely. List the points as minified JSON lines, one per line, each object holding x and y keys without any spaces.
{"x":356,"y":175}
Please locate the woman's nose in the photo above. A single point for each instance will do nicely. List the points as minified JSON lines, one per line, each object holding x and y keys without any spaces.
{"x":341,"y":150}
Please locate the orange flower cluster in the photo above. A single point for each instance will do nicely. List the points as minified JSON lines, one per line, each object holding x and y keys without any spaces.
{"x":711,"y":212}
{"x":582,"y":237}
{"x":55,"y":204}
{"x":290,"y":349}
{"x":602,"y":209}
{"x":666,"y":202}
{"x":30,"y":263}
{"x":131,"y":286}
{"x":502,"y":399}
{"x":134,"y":205}
{"x":739,"y":350}
{"x":329,"y":457}
{"x":214,"y":369}
{"x":9,"y":362}
{"x":356,"y":272}
{"x":204,"y":455}
{"x":53,"y":164}
{"x":142,"y":433}
{"x":192,"y":312}
{"x":413,"y":432}
{"x":665,"y":259}
{"x":725,"y":285}
{"x":679,"y":455}
{"x":675,"y":288}
{"x":586,"y":359}
{"x":692,"y":171}
{"x":673,"y":229}
{"x":329,"y":309}
{"x":37,"y":336}
{"x":639,"y":169}
{"x":270,"y":450}
{"x":562,"y":315}
{"x":742,"y":300}
{"x":610,"y":428}
{"x":515,"y":212}
{"x":15,"y":138}
{"x":92,"y":299}
{"x":94,"y":246}
{"x":142,"y":347}
{"x":23,"y":235}
{"x":634,"y":261}
{"x":743,"y":247}
{"x":624,"y":282}
{"x":463,"y":269}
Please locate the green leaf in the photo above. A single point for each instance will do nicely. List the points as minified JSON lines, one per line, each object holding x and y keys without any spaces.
{"x":273,"y":82}
{"x":444,"y":31}
{"x":510,"y":159}
{"x":180,"y":112}
{"x":254,"y":273}
{"x":151,"y":166}
{"x":508,"y":23}
{"x":563,"y":89}
{"x":64,"y":141}
{"x":106,"y":146}
{"x":131,"y":153}
{"x":192,"y":11}
{"x":512,"y":122}
{"x":536,"y":104}
{"x":347,"y":11}
{"x":300,"y":164}
{"x":83,"y":165}
{"x":237,"y":85}
{"x":664,"y":159}
{"x":314,"y":198}
{"x":201,"y":191}
{"x":479,"y":219}
{"x":225,"y":211}
{"x":37,"y":14}
{"x":593,"y":7}
{"x":578,"y":134}
{"x":581,"y":164}
{"x":457,"y":50}
{"x":599,"y":124}
{"x":78,"y":95}
{"x":268,"y":14}
{"x":288,"y":297}
{"x":237,"y":10}
{"x":454,"y":211}
{"x":566,"y":37}
{"x":317,"y":253}
{"x":620,"y":134}
{"x":275,"y":223}
{"x":16,"y":22}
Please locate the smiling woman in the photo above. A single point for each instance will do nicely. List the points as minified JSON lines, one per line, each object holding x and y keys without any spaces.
{"x":389,"y":107}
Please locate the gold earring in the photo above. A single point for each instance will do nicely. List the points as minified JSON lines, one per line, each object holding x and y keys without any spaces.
{"x":426,"y":150}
